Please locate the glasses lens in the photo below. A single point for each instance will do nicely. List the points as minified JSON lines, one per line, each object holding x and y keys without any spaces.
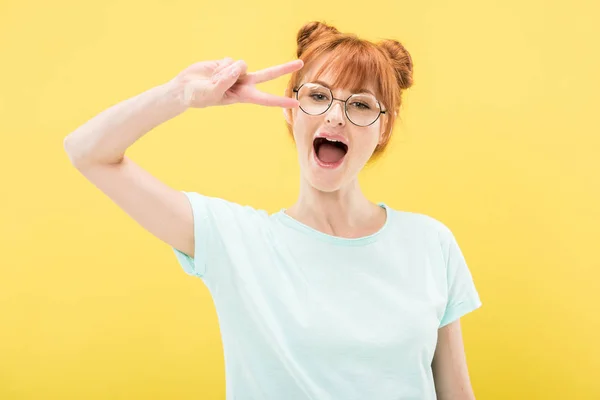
{"x":314,"y":99}
{"x":363,"y":109}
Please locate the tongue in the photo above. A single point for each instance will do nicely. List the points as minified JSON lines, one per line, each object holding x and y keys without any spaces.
{"x":330,"y":153}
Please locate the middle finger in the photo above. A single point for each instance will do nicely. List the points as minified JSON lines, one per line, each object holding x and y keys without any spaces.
{"x":270,"y":73}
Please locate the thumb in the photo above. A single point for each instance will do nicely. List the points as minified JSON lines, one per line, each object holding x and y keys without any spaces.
{"x":229,"y":75}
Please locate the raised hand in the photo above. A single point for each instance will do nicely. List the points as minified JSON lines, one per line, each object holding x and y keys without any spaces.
{"x":224,"y":82}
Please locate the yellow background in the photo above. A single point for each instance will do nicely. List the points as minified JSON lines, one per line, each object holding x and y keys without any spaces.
{"x":500,"y":140}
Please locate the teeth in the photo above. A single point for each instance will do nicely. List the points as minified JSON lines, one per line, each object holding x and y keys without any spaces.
{"x":331,"y":140}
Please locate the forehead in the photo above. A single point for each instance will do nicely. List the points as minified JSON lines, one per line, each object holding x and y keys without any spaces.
{"x":342,"y":75}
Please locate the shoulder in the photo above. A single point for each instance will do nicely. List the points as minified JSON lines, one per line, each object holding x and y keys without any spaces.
{"x":221,"y":210}
{"x":419,"y":223}
{"x":424,"y":233}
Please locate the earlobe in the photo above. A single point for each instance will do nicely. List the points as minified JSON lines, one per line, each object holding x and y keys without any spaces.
{"x":286,"y":115}
{"x":286,"y":111}
{"x":382,"y":132}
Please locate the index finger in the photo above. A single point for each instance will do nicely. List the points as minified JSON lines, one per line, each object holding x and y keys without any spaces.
{"x":270,"y":100}
{"x":276,"y":71}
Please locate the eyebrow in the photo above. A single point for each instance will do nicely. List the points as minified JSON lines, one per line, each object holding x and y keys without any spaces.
{"x":361,"y":90}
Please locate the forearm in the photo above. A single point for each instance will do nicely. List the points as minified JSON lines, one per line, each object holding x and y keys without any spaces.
{"x":105,"y":138}
{"x":449,"y":366}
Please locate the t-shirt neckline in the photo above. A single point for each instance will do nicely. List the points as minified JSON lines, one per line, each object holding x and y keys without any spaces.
{"x":312,"y":232}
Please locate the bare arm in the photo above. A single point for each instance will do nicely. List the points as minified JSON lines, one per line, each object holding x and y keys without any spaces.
{"x":104,"y":138}
{"x":450,"y":372}
{"x":97,"y":148}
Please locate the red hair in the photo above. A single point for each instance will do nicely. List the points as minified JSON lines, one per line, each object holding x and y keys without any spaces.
{"x":354,"y":63}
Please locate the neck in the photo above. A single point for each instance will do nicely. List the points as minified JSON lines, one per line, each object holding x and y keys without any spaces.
{"x":344,"y":213}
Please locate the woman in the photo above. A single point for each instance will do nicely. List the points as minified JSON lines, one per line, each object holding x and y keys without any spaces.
{"x":335,"y":297}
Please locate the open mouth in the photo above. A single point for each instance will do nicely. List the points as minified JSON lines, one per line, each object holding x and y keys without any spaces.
{"x":329,"y":151}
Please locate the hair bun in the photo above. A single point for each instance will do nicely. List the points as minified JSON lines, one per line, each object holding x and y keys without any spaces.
{"x":401,"y":61}
{"x":311,"y":31}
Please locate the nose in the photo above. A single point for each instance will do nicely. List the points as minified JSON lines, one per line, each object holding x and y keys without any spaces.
{"x":335,"y":114}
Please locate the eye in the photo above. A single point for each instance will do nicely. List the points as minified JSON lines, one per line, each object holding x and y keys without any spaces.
{"x":319,"y":96}
{"x":360,"y":105}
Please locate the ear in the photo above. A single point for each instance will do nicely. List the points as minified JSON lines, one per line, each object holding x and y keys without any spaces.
{"x":287,"y":112}
{"x":382,"y":127}
{"x":287,"y":115}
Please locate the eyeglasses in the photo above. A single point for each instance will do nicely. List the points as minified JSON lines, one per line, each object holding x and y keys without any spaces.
{"x":361,"y":109}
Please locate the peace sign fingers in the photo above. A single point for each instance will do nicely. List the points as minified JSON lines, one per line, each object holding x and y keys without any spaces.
{"x":276,"y":71}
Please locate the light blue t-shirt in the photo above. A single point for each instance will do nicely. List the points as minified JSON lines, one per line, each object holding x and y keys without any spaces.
{"x":306,"y":315}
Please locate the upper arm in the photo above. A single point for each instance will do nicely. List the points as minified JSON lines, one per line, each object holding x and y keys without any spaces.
{"x":160,"y":209}
{"x":449,"y":366}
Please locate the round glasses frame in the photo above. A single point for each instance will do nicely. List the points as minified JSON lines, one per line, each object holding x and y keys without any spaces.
{"x":296,"y":90}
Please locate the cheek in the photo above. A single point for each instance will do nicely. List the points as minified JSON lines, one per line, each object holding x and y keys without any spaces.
{"x":363,"y":149}
{"x":303,"y":121}
{"x":304,"y":128}
{"x":364,"y":144}
{"x":366,"y":147}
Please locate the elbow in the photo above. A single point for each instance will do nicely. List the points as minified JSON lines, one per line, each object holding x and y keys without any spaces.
{"x":83,"y":155}
{"x":73,"y":153}
{"x":68,"y":147}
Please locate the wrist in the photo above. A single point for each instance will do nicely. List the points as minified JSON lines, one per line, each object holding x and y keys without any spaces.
{"x":174,"y":94}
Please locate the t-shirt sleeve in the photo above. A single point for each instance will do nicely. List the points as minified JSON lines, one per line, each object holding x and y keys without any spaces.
{"x":196,"y":266}
{"x":219,"y":226}
{"x":463,"y":297}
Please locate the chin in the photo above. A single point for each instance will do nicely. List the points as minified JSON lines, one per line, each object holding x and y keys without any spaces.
{"x":327,"y":177}
{"x":325,"y":185}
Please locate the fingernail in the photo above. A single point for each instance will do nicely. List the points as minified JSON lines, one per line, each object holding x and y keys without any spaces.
{"x":235,"y":71}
